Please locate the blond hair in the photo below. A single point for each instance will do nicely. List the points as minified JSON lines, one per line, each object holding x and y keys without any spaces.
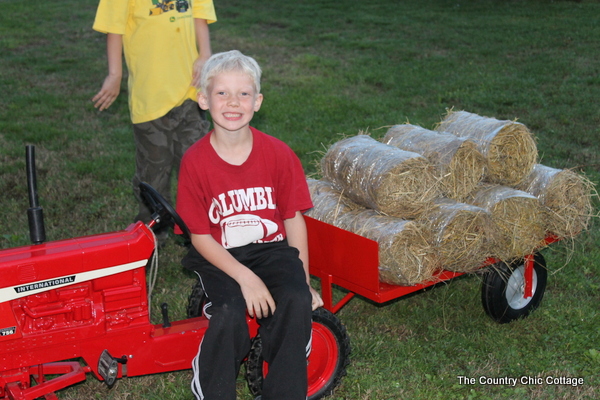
{"x":230,"y":61}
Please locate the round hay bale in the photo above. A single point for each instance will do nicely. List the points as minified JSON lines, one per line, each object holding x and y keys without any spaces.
{"x":405,"y":256}
{"x":464,"y":234}
{"x":518,"y":216}
{"x":381,"y":177}
{"x":459,"y":164}
{"x":328,"y":202}
{"x":508,"y":146}
{"x":566,"y":197}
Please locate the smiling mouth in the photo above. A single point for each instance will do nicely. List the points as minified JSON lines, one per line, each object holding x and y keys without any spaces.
{"x":232,"y":115}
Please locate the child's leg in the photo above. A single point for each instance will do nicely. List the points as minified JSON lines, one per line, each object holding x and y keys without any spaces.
{"x":192,"y":125}
{"x":226,"y":341}
{"x":153,"y":161}
{"x":160,"y":144}
{"x":286,"y":334}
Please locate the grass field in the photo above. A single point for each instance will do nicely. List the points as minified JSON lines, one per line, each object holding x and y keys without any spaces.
{"x":334,"y":68}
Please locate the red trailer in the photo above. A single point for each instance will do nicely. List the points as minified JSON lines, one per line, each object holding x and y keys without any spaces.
{"x":342,"y":258}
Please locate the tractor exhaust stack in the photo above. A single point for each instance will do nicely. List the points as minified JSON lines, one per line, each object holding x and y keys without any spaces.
{"x":35,"y":214}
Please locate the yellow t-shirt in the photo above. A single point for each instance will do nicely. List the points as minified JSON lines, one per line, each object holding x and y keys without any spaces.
{"x":159,"y":43}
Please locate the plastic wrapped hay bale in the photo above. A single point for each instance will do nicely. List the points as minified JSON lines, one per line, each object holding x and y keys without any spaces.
{"x":464,"y":234}
{"x":566,"y":197}
{"x":460,"y":165}
{"x":328,"y":202}
{"x":508,"y":146}
{"x":518,"y":216}
{"x":381,"y":177}
{"x":405,"y":256}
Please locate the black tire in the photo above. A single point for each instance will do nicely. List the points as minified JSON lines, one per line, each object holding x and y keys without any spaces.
{"x":503,"y":288}
{"x":327,"y":362}
{"x":196,"y":301}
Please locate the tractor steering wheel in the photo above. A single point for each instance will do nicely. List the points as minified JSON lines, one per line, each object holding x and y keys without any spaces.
{"x":163,"y":213}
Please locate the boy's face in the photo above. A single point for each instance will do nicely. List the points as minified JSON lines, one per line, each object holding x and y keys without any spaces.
{"x":231,"y":100}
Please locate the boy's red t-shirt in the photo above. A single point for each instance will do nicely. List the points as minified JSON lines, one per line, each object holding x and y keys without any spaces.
{"x":243,"y":204}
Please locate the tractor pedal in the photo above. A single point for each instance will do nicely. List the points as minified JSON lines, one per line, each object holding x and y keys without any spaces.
{"x":108,"y":367}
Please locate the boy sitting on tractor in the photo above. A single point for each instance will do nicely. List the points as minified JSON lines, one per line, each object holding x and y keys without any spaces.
{"x":242,"y":193}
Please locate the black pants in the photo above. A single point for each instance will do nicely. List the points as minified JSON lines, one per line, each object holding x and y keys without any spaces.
{"x":285,"y":335}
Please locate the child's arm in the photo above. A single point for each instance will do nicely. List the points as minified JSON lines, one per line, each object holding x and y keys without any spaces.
{"x":204,"y":49}
{"x":112,"y":83}
{"x":295,"y":229}
{"x":258,"y":298}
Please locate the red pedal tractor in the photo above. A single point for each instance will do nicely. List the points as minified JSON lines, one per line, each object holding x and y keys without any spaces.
{"x":75,"y":306}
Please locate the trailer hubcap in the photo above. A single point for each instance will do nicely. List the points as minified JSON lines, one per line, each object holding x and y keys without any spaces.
{"x":515,"y":288}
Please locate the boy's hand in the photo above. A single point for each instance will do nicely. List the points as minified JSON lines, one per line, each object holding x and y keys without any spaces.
{"x":108,"y":93}
{"x":317,"y":301}
{"x":259,"y":301}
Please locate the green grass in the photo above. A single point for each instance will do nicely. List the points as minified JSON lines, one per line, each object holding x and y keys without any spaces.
{"x":335,"y":68}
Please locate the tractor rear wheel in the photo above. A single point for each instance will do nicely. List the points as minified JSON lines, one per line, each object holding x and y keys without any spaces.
{"x":327,"y":361}
{"x":196,"y":301}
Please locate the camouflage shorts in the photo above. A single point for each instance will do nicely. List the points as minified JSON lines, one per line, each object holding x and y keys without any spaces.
{"x":160,"y":145}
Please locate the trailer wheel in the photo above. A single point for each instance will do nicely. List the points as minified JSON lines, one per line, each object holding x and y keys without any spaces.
{"x":196,"y":301}
{"x":327,"y":361}
{"x":503,"y":289}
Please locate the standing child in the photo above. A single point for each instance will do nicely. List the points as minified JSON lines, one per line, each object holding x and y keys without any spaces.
{"x":242,"y":193}
{"x":165,"y":44}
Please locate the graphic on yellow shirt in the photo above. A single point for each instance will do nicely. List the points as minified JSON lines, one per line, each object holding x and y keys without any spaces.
{"x":163,"y":6}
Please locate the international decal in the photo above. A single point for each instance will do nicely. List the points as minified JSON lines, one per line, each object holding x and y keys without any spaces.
{"x":46,"y":284}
